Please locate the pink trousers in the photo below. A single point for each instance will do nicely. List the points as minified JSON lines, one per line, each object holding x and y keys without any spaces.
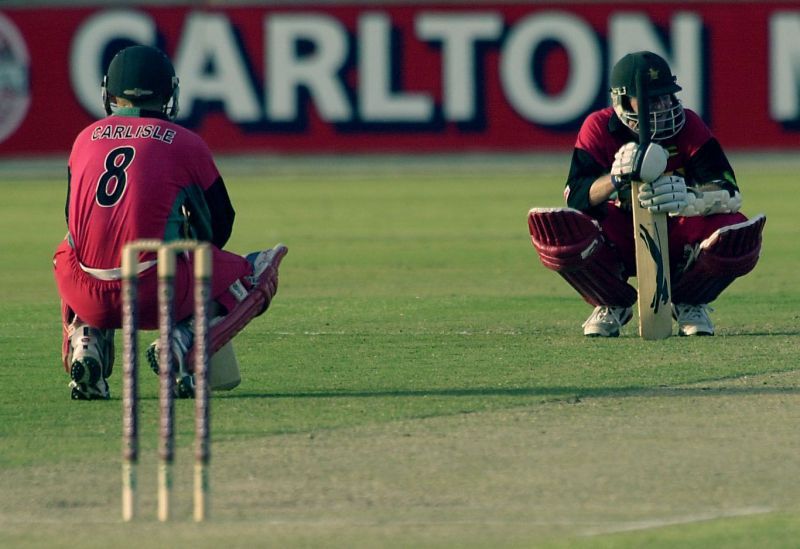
{"x":99,"y":302}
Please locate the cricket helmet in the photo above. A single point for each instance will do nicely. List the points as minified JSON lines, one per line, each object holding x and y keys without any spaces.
{"x":666,"y":110}
{"x":142,"y":75}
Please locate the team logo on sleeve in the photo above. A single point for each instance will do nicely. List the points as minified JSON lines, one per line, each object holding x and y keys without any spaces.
{"x":14,"y":82}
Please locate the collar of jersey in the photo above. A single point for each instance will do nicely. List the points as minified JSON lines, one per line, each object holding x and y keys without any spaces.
{"x":138,"y":113}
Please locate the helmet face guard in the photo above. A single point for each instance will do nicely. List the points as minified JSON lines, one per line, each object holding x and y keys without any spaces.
{"x":144,"y":76}
{"x":666,"y":111}
{"x":666,"y":117}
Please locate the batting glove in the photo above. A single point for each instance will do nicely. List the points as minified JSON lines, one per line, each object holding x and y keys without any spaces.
{"x":654,"y":162}
{"x":665,"y":194}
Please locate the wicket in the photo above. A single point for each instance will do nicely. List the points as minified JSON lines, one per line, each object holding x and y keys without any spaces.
{"x":166,"y":255}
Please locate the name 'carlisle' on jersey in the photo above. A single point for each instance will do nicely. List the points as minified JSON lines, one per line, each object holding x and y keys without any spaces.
{"x":142,"y":131}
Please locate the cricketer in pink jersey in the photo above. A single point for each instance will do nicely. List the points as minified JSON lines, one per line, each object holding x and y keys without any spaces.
{"x":132,"y":175}
{"x":684,"y":172}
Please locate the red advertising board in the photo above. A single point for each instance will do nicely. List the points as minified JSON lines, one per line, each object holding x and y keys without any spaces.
{"x":403,"y":77}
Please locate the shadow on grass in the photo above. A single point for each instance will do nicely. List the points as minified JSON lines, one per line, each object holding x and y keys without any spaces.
{"x":760,"y":333}
{"x":570,"y":394}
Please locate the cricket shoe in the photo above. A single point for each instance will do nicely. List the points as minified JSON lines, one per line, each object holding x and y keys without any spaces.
{"x":182,"y":338}
{"x":607,"y":321}
{"x":89,"y":368}
{"x":693,"y":320}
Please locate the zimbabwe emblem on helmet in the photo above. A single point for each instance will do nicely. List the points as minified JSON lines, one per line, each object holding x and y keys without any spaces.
{"x":14,"y":83}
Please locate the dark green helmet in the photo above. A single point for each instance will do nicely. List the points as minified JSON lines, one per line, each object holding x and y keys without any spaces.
{"x":660,"y":80}
{"x":144,"y":76}
{"x":668,"y":116}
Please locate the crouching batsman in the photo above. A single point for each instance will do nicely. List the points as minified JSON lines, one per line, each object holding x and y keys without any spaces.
{"x":684,"y":173}
{"x":132,"y":175}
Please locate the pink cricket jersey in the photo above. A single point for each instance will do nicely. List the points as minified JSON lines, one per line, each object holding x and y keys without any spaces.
{"x":128,"y":178}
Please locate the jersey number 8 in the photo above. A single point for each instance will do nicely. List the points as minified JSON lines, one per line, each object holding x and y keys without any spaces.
{"x":111,"y":185}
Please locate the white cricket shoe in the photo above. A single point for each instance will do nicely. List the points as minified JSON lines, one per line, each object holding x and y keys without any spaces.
{"x":693,"y":320}
{"x":607,"y":321}
{"x":182,"y":339}
{"x":92,"y":351}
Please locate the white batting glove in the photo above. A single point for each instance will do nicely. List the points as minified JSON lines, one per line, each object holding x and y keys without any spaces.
{"x":665,"y":194}
{"x":653,"y":164}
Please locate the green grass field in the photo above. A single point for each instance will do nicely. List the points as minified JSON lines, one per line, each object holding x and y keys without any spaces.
{"x":421,"y":381}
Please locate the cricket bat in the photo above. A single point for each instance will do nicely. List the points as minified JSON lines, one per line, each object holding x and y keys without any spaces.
{"x":224,"y":367}
{"x":652,"y":244}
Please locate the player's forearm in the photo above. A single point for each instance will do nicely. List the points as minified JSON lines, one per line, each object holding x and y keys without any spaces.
{"x":601,"y":190}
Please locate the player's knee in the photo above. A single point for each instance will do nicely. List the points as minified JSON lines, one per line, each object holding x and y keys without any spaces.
{"x":571,"y":243}
{"x":732,"y":250}
{"x":564,"y":238}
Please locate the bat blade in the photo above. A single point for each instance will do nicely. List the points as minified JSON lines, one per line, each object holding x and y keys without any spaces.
{"x":652,"y":272}
{"x":652,"y":244}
